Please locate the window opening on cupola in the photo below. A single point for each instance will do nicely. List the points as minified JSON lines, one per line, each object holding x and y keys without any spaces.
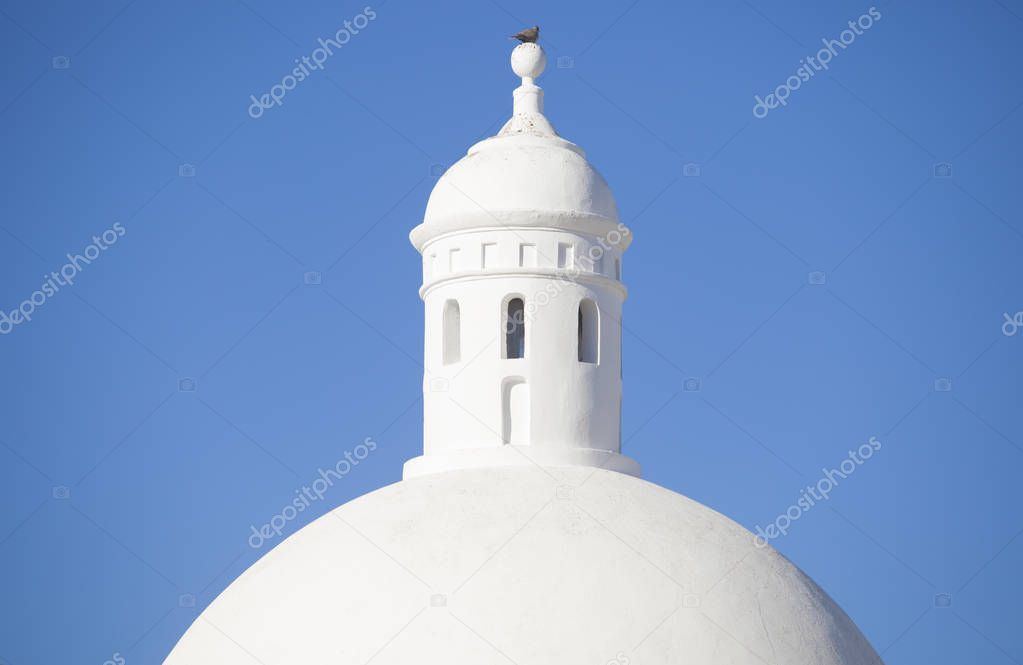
{"x":515,"y":411}
{"x":589,"y":332}
{"x":452,"y":332}
{"x":515,"y":329}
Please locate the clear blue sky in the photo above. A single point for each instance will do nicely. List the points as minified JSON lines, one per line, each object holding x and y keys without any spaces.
{"x":205,"y":282}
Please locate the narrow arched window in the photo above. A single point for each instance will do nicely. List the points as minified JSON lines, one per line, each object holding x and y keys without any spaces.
{"x":515,"y":411}
{"x":452,"y":332}
{"x":589,"y":332}
{"x":515,"y":329}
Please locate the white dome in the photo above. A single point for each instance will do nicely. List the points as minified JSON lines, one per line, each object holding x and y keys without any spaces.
{"x":572,"y":566}
{"x":520,"y":173}
{"x":525,"y":176}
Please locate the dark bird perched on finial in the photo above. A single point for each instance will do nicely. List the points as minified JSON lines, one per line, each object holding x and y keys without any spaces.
{"x":529,"y":35}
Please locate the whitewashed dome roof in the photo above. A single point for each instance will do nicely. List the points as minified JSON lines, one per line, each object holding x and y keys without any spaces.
{"x":529,"y":566}
{"x":526,"y":175}
{"x":521,"y":172}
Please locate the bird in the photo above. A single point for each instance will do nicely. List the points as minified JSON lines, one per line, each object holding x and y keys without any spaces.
{"x":529,"y":35}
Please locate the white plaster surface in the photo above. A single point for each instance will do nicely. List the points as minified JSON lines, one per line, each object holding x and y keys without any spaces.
{"x":571,"y":566}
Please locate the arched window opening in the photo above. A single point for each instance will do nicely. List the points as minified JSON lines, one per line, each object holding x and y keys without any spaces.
{"x":515,"y":411}
{"x":589,"y":332}
{"x":515,"y":329}
{"x":452,"y":333}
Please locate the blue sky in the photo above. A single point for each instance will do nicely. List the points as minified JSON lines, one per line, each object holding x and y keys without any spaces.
{"x":825,"y":273}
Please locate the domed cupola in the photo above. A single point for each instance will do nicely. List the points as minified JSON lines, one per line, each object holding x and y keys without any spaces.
{"x":522,"y":253}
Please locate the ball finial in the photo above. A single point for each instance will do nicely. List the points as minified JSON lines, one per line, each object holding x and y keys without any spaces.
{"x":528,"y":60}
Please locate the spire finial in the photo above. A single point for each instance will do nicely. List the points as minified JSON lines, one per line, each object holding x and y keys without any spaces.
{"x":528,"y":61}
